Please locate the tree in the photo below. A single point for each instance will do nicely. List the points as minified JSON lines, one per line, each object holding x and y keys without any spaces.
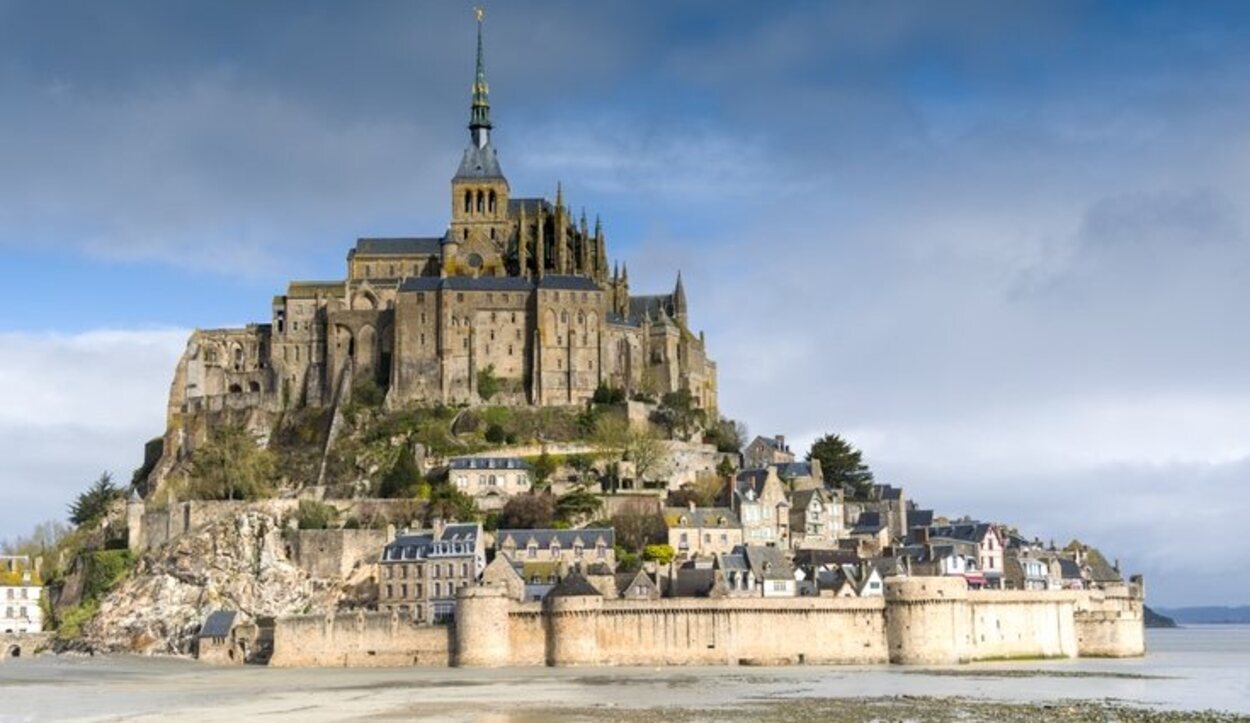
{"x":647,"y":451}
{"x":528,"y":511}
{"x":636,"y":527}
{"x":608,"y":395}
{"x":662,"y":554}
{"x":678,"y":414}
{"x":705,"y":491}
{"x":230,"y":466}
{"x":448,"y":503}
{"x":576,"y":505}
{"x":728,"y":436}
{"x":487,"y":383}
{"x":543,"y":468}
{"x":94,"y":503}
{"x":403,"y":479}
{"x":842,"y":465}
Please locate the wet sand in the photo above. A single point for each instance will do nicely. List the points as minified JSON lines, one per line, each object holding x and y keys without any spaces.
{"x":1187,"y":672}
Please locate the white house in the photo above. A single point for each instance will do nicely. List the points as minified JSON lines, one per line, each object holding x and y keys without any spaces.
{"x":490,"y":481}
{"x":20,"y":594}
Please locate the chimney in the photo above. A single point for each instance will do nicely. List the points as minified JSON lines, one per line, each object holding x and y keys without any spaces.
{"x":691,"y":503}
{"x":437,"y":524}
{"x":781,"y":443}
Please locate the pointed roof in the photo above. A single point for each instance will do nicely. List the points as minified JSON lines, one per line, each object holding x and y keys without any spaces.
{"x":574,"y":585}
{"x":479,"y":110}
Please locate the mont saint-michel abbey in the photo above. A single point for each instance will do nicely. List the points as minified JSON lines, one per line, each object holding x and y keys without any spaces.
{"x":516,"y":291}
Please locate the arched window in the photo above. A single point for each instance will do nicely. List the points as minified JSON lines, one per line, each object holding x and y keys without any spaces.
{"x":564,"y":317}
{"x":468,"y":201}
{"x":492,"y":204}
{"x":479,"y":201}
{"x":492,"y":231}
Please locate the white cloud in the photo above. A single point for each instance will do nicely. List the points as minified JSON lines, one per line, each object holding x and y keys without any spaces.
{"x":76,"y":405}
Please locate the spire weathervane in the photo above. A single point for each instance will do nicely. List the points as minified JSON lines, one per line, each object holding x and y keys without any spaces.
{"x":479,"y":111}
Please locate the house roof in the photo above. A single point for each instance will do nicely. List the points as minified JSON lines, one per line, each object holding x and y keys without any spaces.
{"x":794,"y":469}
{"x":487,"y":463}
{"x":1068,"y":569}
{"x":399,"y":246}
{"x":588,"y":537}
{"x":574,"y":585}
{"x":887,"y":492}
{"x":653,"y":306}
{"x":455,"y":540}
{"x":694,"y":582}
{"x":627,"y":580}
{"x":768,"y":563}
{"x":684,"y":517}
{"x":218,"y":624}
{"x":1099,"y":569}
{"x":962,"y":531}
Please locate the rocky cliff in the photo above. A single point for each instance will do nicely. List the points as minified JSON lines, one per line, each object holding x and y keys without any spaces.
{"x":238,"y":563}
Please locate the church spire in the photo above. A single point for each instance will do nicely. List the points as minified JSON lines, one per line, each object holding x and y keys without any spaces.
{"x":479,"y":112}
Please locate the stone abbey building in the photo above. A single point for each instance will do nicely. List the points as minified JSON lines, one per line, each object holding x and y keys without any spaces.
{"x":516,"y":291}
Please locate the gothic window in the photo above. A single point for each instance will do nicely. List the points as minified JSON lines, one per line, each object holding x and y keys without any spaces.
{"x":518,"y":334}
{"x":421,"y":299}
{"x":459,"y":297}
{"x":479,"y":201}
{"x":466,"y":343}
{"x":513,"y":315}
{"x":509,"y":350}
{"x":423,"y":340}
{"x":367,"y":271}
{"x":492,"y":331}
{"x":468,"y":201}
{"x":423,"y":317}
{"x":492,"y":319}
{"x":466,"y":234}
{"x":392,"y":270}
{"x":492,"y":210}
{"x":581,"y":318}
{"x":492,"y":231}
{"x":564,"y":317}
{"x":475,"y":261}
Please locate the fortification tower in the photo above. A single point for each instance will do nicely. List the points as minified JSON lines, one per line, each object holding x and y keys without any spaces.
{"x":926,"y":620}
{"x":573,"y":608}
{"x":481,"y":638}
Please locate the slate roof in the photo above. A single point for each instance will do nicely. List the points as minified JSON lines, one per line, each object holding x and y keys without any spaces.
{"x":488,"y":463}
{"x":920,"y":518}
{"x":809,"y":557}
{"x":795,"y":469}
{"x":218,"y":624}
{"x":887,"y":492}
{"x":750,"y":480}
{"x":1099,"y":569}
{"x":869,"y":523}
{"x":693,"y":582}
{"x":479,"y":163}
{"x":1068,"y":569}
{"x":625,"y":581}
{"x":801,"y":499}
{"x":543,"y":538}
{"x":768,"y":563}
{"x":456,"y":540}
{"x":531,"y":206}
{"x":700,"y":517}
{"x":574,"y":585}
{"x":565,"y":282}
{"x":399,"y":246}
{"x":641,"y":306}
{"x":466,"y":283}
{"x":963,"y":531}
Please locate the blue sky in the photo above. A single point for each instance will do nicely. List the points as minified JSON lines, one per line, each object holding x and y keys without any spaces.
{"x":1001,"y":246}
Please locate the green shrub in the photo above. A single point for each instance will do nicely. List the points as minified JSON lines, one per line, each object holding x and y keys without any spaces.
{"x":487,"y":383}
{"x":495,"y":434}
{"x":663,"y":554}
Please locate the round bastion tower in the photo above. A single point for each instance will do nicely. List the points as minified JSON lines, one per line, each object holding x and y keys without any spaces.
{"x":926,"y":620}
{"x":573,"y":609}
{"x":482,"y":635}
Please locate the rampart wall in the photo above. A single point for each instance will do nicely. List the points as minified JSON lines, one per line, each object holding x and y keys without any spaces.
{"x":359,"y":640}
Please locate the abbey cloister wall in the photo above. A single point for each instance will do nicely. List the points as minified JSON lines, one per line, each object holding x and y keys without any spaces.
{"x":919,"y":621}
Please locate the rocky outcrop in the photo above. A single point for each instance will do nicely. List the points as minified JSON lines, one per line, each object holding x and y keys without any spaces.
{"x":238,"y":563}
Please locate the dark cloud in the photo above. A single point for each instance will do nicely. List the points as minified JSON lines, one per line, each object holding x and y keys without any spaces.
{"x":1001,"y":247}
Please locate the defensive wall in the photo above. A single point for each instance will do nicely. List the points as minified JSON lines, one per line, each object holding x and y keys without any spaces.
{"x":925,"y":621}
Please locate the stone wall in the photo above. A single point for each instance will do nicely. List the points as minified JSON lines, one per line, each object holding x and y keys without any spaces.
{"x":359,"y":640}
{"x":333,"y":554}
{"x":1109,"y":622}
{"x":926,"y":621}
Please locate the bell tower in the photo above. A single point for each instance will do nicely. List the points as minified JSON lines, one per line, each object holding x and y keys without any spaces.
{"x":480,"y":230}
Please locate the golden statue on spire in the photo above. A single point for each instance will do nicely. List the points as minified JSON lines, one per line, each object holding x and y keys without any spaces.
{"x":479,"y":12}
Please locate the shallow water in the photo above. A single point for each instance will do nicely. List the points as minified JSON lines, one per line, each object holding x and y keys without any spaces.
{"x":1186,"y":669}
